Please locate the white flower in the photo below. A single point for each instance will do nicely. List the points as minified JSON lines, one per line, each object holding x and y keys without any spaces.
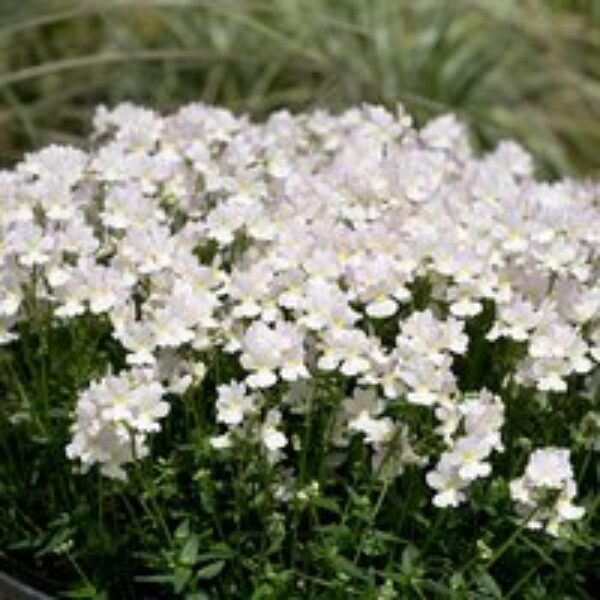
{"x":550,"y":374}
{"x":261,"y":354}
{"x":31,"y":244}
{"x":233,"y":403}
{"x":346,"y":348}
{"x":326,"y":306}
{"x":250,"y":288}
{"x":427,"y":382}
{"x":468,"y":455}
{"x":421,"y":175}
{"x":148,"y":247}
{"x":549,"y":467}
{"x":126,"y":205}
{"x":515,"y":320}
{"x":273,"y":438}
{"x":363,"y":399}
{"x":376,"y":279}
{"x":484,"y":416}
{"x":376,"y":430}
{"x":267,"y":350}
{"x":55,"y":161}
{"x":444,"y":132}
{"x":105,"y":287}
{"x":422,"y":334}
{"x":169,"y":329}
{"x":545,"y":493}
{"x":149,"y":408}
{"x":292,"y":364}
{"x":463,"y":305}
{"x":382,"y":307}
{"x":11,"y":294}
{"x":139,"y":338}
{"x":447,"y":483}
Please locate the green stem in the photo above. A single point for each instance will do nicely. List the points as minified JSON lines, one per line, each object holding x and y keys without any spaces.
{"x":522,"y":581}
{"x":308,"y":426}
{"x":76,"y":566}
{"x":148,"y":489}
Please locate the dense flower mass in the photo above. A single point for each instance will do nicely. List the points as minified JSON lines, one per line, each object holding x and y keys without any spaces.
{"x":310,"y":248}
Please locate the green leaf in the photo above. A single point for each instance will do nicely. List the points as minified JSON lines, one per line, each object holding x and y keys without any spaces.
{"x":154,"y":578}
{"x":183,"y":531}
{"x":211,"y":570}
{"x":409,"y":557}
{"x":343,"y":565}
{"x":457,"y":581}
{"x":217,"y":551}
{"x":181,"y":577}
{"x":197,"y":596}
{"x":85,"y":592}
{"x":189,"y":553}
{"x":263,"y":592}
{"x":486,"y":583}
{"x":58,"y":543}
{"x":328,"y":504}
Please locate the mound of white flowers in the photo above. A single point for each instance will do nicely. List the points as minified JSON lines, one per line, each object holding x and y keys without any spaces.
{"x":350,"y":246}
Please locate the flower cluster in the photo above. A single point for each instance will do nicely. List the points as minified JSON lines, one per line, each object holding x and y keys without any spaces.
{"x":424,"y":357}
{"x":306,"y":247}
{"x":545,"y":493}
{"x":113,"y":420}
{"x":480,"y":420}
{"x":234,"y":404}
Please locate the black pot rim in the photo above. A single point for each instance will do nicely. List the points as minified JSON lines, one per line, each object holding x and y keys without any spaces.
{"x":13,"y":589}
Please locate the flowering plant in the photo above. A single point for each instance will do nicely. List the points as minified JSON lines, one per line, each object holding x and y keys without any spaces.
{"x":260,"y":350}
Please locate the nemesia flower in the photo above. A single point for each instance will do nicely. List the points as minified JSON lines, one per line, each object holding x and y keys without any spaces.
{"x":466,"y":457}
{"x":376,"y":431}
{"x":545,"y":493}
{"x":233,"y":402}
{"x":273,"y":438}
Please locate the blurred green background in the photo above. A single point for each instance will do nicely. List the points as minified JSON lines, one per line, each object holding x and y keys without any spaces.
{"x":527,"y":69}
